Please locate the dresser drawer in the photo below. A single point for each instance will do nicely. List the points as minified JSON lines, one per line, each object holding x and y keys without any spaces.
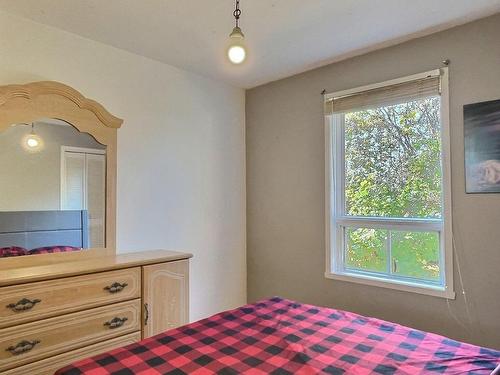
{"x":50,"y":365}
{"x":28,"y":302}
{"x":41,"y":339}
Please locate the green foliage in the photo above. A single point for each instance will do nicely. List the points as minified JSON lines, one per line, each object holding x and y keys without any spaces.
{"x":416,"y":254}
{"x":366,"y":249}
{"x":393,"y":169}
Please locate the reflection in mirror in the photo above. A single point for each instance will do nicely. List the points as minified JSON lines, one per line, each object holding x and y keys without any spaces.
{"x":52,"y":190}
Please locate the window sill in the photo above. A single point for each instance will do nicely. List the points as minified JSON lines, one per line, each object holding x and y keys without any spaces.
{"x":404,"y":286}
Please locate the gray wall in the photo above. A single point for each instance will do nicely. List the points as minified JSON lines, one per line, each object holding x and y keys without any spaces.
{"x":31,"y":181}
{"x":285,"y":188}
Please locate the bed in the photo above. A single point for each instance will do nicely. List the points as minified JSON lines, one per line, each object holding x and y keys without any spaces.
{"x":40,"y":232}
{"x":280,"y":337}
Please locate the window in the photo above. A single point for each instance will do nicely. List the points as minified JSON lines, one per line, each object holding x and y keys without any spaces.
{"x":388,"y":185}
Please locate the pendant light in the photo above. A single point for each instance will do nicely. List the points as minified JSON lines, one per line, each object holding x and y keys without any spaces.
{"x":236,"y":51}
{"x":32,"y":142}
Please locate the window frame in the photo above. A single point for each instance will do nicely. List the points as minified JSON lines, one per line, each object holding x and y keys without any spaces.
{"x":335,"y":218}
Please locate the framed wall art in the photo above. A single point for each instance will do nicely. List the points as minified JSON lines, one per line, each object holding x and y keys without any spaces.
{"x":482,"y":147}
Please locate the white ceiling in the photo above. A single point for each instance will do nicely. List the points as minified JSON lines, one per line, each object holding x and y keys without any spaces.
{"x":284,"y":37}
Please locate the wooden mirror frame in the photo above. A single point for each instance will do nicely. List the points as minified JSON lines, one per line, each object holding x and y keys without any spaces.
{"x":48,"y":99}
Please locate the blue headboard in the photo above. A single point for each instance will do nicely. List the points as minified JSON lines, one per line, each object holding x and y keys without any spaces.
{"x":33,"y":229}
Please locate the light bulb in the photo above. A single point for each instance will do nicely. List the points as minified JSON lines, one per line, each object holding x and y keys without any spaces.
{"x":236,"y":51}
{"x":236,"y":54}
{"x":32,"y":142}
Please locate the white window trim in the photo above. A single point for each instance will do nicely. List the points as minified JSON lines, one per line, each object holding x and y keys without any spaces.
{"x":334,"y":244}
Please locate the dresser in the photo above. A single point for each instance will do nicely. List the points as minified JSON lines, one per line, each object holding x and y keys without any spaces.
{"x":71,"y":306}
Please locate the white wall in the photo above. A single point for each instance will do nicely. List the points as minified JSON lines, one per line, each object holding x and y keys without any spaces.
{"x":33,"y":180}
{"x":181,"y":164}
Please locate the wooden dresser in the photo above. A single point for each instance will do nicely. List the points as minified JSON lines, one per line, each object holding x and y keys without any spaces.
{"x":72,"y":306}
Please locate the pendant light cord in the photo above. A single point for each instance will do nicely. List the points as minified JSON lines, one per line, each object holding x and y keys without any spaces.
{"x":237,"y":13}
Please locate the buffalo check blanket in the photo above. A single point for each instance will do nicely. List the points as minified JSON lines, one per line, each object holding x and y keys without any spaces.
{"x":281,"y":337}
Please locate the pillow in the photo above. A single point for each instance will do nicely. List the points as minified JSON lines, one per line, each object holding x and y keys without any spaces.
{"x":12,"y":251}
{"x":53,"y":249}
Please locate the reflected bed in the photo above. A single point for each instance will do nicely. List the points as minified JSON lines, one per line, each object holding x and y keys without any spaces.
{"x":41,"y":232}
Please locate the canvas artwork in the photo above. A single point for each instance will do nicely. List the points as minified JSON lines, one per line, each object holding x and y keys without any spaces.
{"x":482,"y":147}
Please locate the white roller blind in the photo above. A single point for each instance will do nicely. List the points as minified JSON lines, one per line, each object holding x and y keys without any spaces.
{"x":384,"y":96}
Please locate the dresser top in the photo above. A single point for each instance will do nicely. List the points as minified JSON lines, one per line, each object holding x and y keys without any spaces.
{"x":54,"y":266}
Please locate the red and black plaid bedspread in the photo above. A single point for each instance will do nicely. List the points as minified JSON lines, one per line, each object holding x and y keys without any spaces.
{"x":281,"y":337}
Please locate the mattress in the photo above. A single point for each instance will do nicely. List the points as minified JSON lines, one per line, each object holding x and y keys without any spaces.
{"x":280,"y":337}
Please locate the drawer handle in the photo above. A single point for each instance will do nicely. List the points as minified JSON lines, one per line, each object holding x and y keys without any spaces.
{"x":23,"y":305}
{"x":115,"y":322}
{"x":115,"y":287}
{"x":22,"y":347}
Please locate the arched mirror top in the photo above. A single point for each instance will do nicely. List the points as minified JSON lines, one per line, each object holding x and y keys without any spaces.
{"x":49,"y":99}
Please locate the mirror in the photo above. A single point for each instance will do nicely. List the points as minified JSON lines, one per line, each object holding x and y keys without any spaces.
{"x":53,"y":190}
{"x":57,"y":173}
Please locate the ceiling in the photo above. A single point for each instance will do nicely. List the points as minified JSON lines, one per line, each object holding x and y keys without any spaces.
{"x":284,"y":37}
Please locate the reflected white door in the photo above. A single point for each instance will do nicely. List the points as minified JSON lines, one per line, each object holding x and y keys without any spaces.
{"x":96,"y":197}
{"x":83,"y":187}
{"x":73,"y":169}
